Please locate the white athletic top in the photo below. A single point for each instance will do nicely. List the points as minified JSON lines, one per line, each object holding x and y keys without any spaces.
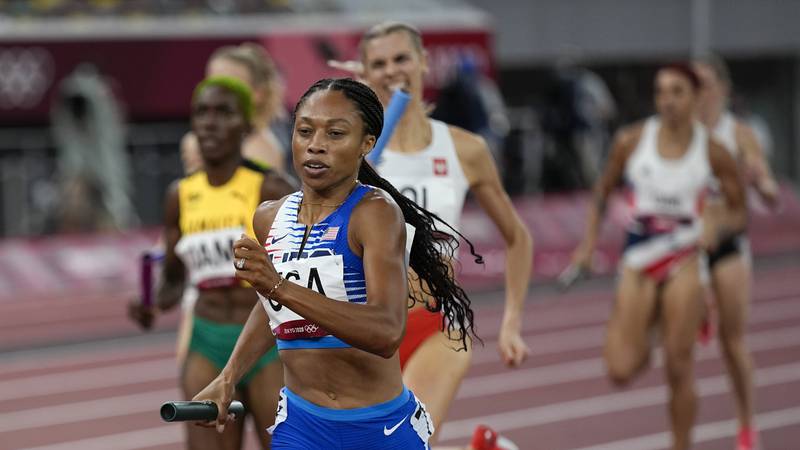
{"x":669,"y":188}
{"x":432,"y":177}
{"x":725,"y":132}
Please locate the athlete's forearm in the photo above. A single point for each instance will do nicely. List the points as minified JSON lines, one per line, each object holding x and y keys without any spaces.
{"x":756,"y":165}
{"x":767,"y":188}
{"x":597,"y":212}
{"x":172,"y":283}
{"x":254,"y":341}
{"x":367,"y":327}
{"x":519,"y":263}
{"x":170,"y":293}
{"x":735,"y":222}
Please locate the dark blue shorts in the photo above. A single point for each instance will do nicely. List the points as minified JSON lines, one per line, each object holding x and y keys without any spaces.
{"x":401,"y":423}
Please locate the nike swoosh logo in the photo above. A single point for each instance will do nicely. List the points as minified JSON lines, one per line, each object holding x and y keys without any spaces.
{"x":276,"y":239}
{"x":389,"y":431}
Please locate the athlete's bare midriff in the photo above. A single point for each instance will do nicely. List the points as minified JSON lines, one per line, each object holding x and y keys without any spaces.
{"x":226,"y":305}
{"x":343,"y":378}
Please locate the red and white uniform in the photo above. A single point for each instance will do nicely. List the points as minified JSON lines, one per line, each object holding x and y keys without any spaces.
{"x":666,"y":201}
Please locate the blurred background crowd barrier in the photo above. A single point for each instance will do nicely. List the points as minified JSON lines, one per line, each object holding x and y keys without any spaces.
{"x":94,"y":96}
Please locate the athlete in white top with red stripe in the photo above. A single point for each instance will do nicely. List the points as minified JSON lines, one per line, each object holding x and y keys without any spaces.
{"x":729,"y":265}
{"x":431,"y":177}
{"x":666,"y":215}
{"x":434,"y":164}
{"x":668,"y":160}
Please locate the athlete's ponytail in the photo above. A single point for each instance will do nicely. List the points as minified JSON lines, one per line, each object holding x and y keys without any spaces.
{"x":435,"y":241}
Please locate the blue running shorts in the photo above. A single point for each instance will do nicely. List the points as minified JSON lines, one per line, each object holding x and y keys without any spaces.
{"x":401,"y":423}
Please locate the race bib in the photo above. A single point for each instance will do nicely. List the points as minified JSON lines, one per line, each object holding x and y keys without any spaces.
{"x":436,"y":195}
{"x":323,"y":274}
{"x":208,"y":255}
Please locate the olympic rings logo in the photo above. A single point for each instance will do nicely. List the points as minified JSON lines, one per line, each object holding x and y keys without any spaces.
{"x":25,"y":75}
{"x":311,"y":328}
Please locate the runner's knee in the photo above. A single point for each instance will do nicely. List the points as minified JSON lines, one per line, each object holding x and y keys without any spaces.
{"x":622,"y":365}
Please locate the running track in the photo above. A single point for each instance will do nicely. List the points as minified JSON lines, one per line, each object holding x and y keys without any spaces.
{"x":104,"y":393}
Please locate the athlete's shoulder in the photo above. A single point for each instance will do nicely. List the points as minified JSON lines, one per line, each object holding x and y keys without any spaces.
{"x":473,"y":153}
{"x":744,"y":132}
{"x":378,"y":215}
{"x":629,"y":135}
{"x":253,"y":165}
{"x":376,"y":202}
{"x":716,"y":150}
{"x":268,"y":210}
{"x":195,"y":179}
{"x":467,"y":143}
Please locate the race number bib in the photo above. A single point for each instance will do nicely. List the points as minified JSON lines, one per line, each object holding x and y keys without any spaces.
{"x":325,"y":275}
{"x":435,"y":195}
{"x":209,"y":255}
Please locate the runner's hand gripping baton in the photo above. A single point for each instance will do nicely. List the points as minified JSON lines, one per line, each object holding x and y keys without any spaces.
{"x":395,"y":110}
{"x":147,"y":263}
{"x":205,"y":410}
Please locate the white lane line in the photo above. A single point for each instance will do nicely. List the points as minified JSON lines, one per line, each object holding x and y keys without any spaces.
{"x":769,"y":286}
{"x":591,"y":368}
{"x":137,"y":403}
{"x":98,"y":354}
{"x":164,"y":368}
{"x":592,"y":337}
{"x":705,"y":432}
{"x":122,"y":405}
{"x":129,"y":440}
{"x":77,"y":380}
{"x":604,"y":404}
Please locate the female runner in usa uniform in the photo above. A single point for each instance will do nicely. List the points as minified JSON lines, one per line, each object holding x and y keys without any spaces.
{"x":330,"y":265}
{"x":668,"y":162}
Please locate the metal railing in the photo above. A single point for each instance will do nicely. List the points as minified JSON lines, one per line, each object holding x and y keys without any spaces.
{"x":29,"y":184}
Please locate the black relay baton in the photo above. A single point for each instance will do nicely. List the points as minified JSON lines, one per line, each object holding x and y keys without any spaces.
{"x":206,"y":410}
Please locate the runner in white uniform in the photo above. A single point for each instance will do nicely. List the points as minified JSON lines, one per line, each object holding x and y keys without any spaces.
{"x":730,"y":264}
{"x":666,"y":223}
{"x":435,"y":164}
{"x":668,"y":161}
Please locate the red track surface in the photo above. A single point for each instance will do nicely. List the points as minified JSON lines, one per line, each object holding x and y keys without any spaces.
{"x":104,"y":394}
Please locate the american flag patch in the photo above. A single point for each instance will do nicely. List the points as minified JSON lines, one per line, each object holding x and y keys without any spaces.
{"x":331,"y":234}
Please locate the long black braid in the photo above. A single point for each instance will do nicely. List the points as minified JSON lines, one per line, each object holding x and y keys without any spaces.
{"x":432,"y":246}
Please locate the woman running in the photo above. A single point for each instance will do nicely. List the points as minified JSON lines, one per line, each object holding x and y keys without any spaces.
{"x":250,"y":63}
{"x":435,"y":165}
{"x":341,"y":244}
{"x":668,"y":162}
{"x":729,"y":264}
{"x":204,"y":214}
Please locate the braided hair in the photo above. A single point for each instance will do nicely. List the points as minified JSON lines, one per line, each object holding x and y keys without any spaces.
{"x":432,"y":246}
